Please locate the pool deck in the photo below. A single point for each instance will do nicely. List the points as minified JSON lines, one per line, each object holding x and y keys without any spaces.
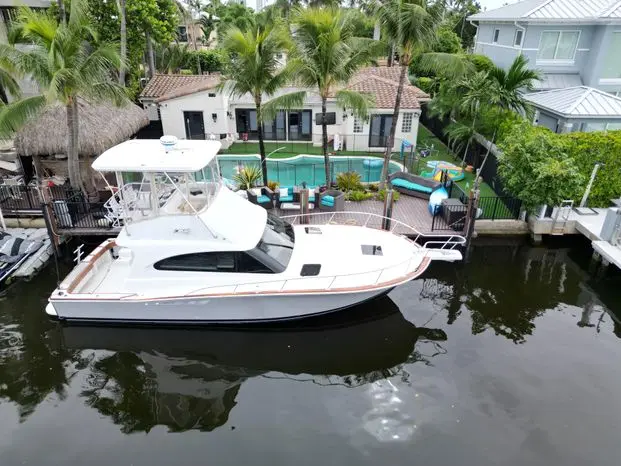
{"x":409,"y":210}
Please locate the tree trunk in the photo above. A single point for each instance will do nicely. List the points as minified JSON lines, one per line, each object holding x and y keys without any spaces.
{"x":63,"y":13}
{"x":261,"y":142}
{"x":391,"y":55}
{"x":36,"y":161}
{"x":150,"y":54}
{"x":73,"y":161}
{"x":324,"y":141}
{"x":122,"y":12}
{"x":393,"y":127}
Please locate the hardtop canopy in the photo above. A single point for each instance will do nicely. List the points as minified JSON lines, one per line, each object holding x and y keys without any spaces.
{"x":150,"y":155}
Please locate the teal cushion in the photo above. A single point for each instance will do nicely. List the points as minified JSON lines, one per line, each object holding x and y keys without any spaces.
{"x":288,"y":198}
{"x":401,"y":183}
{"x":311,"y":198}
{"x":328,"y":201}
{"x":263,"y":199}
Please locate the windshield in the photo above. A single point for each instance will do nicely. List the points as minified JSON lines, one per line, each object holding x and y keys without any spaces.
{"x":276,"y":245}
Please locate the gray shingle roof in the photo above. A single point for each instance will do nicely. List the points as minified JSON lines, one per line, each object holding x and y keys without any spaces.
{"x":546,"y":10}
{"x":577,"y":102}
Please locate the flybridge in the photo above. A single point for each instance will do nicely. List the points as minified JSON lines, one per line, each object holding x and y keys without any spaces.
{"x":152,"y":155}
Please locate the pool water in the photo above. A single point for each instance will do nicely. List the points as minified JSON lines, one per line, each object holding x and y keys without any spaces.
{"x":309,"y":169}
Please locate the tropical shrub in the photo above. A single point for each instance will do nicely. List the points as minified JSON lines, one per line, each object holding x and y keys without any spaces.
{"x":348,"y":181}
{"x":588,"y":148}
{"x":211,"y":60}
{"x":373,"y":187}
{"x":248,"y":176}
{"x":381,"y":195}
{"x":536,"y":167}
{"x":447,"y":41}
{"x":425,"y":84}
{"x":481,"y":62}
{"x":358,"y":196}
{"x":273,"y":185}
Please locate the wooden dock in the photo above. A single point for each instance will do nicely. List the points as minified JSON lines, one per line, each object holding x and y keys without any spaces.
{"x":411,"y":211}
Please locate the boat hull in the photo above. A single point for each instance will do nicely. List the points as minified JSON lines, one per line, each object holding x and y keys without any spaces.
{"x":208,"y":310}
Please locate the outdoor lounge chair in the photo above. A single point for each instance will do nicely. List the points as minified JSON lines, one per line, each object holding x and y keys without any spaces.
{"x":331,"y":200}
{"x":265,"y":199}
{"x":413,"y":185}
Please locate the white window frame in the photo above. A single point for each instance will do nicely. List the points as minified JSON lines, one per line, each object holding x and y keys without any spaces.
{"x":358,"y":125}
{"x":521,"y":38}
{"x":409,"y":121}
{"x":494,"y":37}
{"x":562,"y":61}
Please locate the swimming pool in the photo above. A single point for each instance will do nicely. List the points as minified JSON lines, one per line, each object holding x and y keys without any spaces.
{"x":307,"y":168}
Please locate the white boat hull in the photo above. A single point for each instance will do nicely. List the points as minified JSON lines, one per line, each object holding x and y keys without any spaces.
{"x":230,"y":309}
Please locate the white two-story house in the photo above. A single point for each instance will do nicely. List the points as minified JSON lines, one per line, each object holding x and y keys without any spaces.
{"x":576,"y":44}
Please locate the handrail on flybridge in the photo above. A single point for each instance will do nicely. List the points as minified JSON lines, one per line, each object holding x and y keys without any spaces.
{"x":333,"y":218}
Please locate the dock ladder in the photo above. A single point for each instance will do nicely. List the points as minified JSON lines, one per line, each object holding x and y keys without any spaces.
{"x":561,"y":217}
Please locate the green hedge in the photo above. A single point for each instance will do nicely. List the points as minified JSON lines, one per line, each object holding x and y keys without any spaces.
{"x":541,"y":167}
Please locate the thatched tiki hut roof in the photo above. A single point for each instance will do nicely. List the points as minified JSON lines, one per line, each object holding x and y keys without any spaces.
{"x":101,"y":126}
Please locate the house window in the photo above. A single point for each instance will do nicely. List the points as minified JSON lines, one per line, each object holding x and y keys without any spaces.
{"x":380,"y":129}
{"x":182,"y":34}
{"x":558,"y":45}
{"x":357,"y":125}
{"x":612,"y":63}
{"x":519,"y":35}
{"x":406,"y":125}
{"x":212,"y":94}
{"x":495,"y":36}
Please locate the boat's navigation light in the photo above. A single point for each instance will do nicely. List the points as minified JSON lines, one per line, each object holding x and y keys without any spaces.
{"x":169,"y":142}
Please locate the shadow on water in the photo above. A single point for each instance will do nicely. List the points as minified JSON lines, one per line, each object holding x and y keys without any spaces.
{"x":189,"y":378}
{"x":506,"y":285}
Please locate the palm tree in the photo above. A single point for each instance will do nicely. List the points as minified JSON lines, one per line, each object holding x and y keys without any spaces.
{"x":170,"y":59}
{"x":255,"y":70}
{"x":325,"y":56}
{"x":121,"y":5}
{"x":506,"y":92}
{"x":67,"y":62}
{"x":8,"y":83}
{"x":410,"y":27}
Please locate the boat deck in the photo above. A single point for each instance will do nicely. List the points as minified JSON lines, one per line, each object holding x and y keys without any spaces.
{"x":409,"y":210}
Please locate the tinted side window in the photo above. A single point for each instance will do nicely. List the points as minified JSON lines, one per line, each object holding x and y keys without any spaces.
{"x":248,"y":264}
{"x":199,"y":262}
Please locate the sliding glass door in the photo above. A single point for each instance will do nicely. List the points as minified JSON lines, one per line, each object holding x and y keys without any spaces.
{"x":300,"y":128}
{"x":380,"y":129}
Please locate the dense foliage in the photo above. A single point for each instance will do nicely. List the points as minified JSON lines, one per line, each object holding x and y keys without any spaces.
{"x":159,"y":17}
{"x":541,"y":167}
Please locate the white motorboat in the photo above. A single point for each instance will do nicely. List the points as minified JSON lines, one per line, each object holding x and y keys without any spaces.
{"x":190,"y":250}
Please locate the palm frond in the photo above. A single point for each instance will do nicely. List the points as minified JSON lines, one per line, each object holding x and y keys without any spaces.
{"x":15,"y":114}
{"x":359,"y":103}
{"x":448,"y":65}
{"x":288,"y":101}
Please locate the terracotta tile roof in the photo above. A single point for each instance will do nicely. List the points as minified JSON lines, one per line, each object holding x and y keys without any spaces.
{"x":169,"y":85}
{"x":382,"y":83}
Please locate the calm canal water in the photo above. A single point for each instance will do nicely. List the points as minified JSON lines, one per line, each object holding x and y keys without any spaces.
{"x":510,"y":359}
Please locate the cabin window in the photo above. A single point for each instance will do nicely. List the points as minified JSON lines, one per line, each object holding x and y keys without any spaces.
{"x":211,"y":94}
{"x":223,"y":261}
{"x":495,"y":36}
{"x":199,"y":262}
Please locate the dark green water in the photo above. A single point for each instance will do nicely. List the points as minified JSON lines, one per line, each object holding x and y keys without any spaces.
{"x":510,"y":359}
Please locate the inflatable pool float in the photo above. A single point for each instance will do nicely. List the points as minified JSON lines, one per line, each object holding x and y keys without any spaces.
{"x":435,"y":200}
{"x":372,"y":163}
{"x":454,"y":172}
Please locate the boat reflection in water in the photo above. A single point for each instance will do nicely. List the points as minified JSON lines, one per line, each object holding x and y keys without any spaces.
{"x":189,"y":378}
